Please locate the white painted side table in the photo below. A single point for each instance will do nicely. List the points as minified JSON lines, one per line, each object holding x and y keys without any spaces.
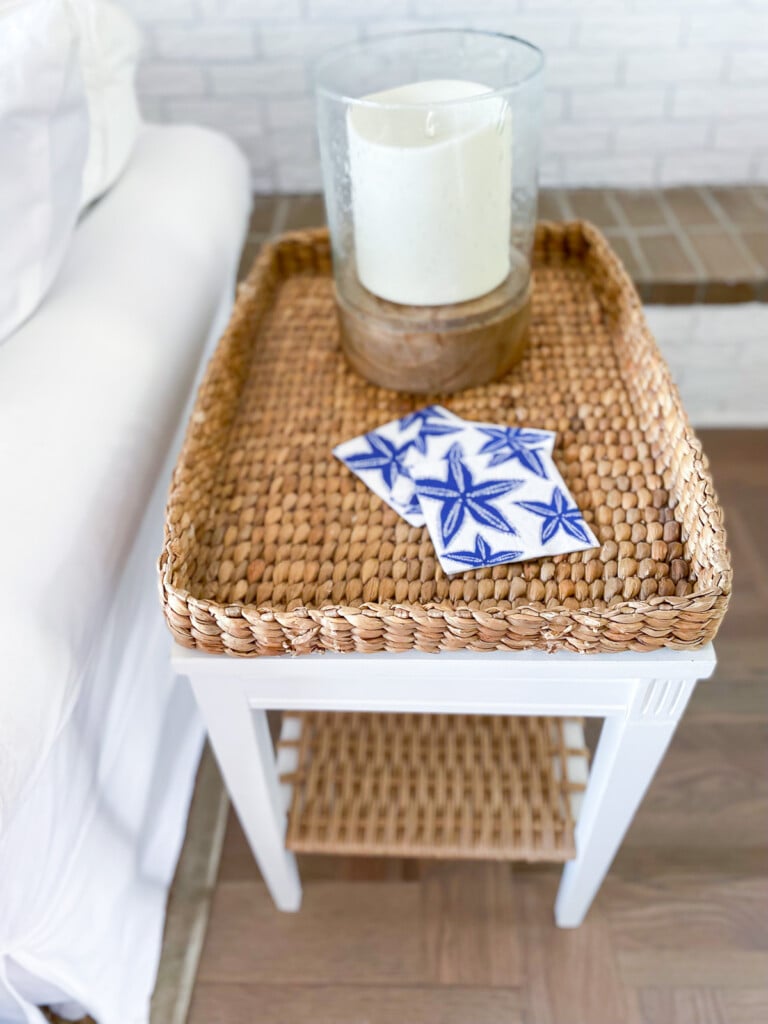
{"x":641,"y":698}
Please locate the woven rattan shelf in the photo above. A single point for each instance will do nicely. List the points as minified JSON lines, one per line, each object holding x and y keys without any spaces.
{"x":465,"y":786}
{"x":274,"y":547}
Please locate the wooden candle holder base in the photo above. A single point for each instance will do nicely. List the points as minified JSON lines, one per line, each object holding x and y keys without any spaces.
{"x":426,"y":349}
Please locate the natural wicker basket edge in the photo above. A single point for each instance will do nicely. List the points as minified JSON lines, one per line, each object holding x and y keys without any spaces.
{"x":717,"y":572}
{"x":334,"y":627}
{"x":308,"y":630}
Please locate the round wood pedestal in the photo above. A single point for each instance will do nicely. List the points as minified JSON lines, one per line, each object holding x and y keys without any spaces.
{"x":433,"y":348}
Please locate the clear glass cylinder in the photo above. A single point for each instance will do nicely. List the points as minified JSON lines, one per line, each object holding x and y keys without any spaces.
{"x":429,"y":144}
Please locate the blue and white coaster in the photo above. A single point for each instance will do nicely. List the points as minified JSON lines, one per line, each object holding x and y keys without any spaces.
{"x":380,"y":457}
{"x":488,"y":494}
{"x":523,"y":445}
{"x":492,"y":495}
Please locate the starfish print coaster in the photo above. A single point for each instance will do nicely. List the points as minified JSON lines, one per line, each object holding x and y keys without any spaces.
{"x":380,"y":457}
{"x":489,"y":494}
{"x":490,"y":498}
{"x":517,"y":444}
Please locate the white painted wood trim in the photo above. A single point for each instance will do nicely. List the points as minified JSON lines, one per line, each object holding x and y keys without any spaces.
{"x":243,"y":749}
{"x":628,"y":753}
{"x":641,"y":696}
{"x":526,"y":683}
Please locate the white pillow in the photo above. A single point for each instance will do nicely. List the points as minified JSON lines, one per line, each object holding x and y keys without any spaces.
{"x":43,"y":147}
{"x":109,"y":51}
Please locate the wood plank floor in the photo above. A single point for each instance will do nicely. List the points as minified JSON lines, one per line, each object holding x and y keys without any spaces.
{"x":677,"y":935}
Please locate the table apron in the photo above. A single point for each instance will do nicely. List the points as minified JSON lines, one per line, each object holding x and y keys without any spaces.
{"x":641,"y":697}
{"x":528,"y":683}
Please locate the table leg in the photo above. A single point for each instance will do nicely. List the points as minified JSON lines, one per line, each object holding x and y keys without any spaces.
{"x":629,"y":751}
{"x":243,"y":749}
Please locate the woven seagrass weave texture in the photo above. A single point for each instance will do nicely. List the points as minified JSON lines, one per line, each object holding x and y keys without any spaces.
{"x":272,"y":546}
{"x":485,"y":787}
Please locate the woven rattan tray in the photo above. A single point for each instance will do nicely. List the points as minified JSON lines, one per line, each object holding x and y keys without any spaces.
{"x":272,"y":546}
{"x":470,"y":786}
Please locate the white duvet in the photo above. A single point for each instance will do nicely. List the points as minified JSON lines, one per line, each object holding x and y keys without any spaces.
{"x":98,"y":743}
{"x":91,"y":391}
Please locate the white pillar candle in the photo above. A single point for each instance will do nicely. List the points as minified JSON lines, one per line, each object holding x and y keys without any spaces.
{"x":431,"y":192}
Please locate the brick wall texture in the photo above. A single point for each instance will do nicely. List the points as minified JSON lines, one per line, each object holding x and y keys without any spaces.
{"x":638,"y":92}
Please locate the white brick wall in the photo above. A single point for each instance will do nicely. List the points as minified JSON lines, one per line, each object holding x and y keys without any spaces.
{"x":719,"y":358}
{"x":639,"y":92}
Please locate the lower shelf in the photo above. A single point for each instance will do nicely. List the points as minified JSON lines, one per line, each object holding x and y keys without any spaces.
{"x":451,"y":786}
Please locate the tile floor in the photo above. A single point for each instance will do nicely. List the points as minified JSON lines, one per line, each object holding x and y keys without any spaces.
{"x":678,"y":933}
{"x":675,"y":937}
{"x":681,"y":246}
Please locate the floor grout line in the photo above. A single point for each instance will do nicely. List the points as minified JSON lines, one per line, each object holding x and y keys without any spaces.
{"x":199,"y":928}
{"x":686,"y":245}
{"x":733,"y":232}
{"x":629,"y":234}
{"x":280,"y":216}
{"x":191,"y":896}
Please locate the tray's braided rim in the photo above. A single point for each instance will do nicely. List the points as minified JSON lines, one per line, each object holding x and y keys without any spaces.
{"x":681,"y":622}
{"x":420,"y":785}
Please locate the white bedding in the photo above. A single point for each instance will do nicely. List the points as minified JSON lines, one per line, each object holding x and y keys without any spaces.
{"x":98,"y":742}
{"x":91,"y":391}
{"x":87,"y":857}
